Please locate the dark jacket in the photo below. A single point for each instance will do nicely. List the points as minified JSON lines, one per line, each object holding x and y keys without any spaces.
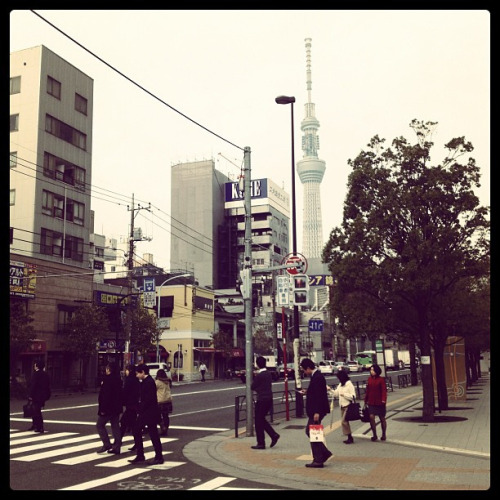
{"x":262,"y":385}
{"x":148,"y":401}
{"x":317,"y":396}
{"x":131,"y":388}
{"x":110,"y":396}
{"x":39,"y":390}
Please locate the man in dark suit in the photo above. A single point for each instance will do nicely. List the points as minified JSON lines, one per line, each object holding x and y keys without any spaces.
{"x":262,"y":385}
{"x":148,"y":415}
{"x":317,"y":407}
{"x":39,"y":392}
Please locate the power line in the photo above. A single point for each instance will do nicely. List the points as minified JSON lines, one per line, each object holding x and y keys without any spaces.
{"x":135,"y":83}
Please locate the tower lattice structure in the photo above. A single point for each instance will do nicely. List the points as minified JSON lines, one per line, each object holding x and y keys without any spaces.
{"x":311,"y":170}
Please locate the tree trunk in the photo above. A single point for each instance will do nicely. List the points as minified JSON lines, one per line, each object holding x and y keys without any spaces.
{"x":442,"y":389}
{"x":413,"y":367}
{"x":427,"y":385}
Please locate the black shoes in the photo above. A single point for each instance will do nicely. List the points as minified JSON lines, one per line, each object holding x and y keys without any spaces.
{"x":274,"y":440}
{"x":114,"y":451}
{"x":155,"y":461}
{"x":383,"y":437}
{"x":374,"y":438}
{"x":349,"y":441}
{"x":328,"y":455}
{"x":40,"y":431}
{"x":315,"y":465}
{"x":103,"y":449}
{"x":258,"y":447}
{"x":138,"y":460}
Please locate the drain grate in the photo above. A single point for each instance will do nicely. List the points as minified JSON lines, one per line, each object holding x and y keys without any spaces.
{"x":294,"y":427}
{"x":438,"y":419}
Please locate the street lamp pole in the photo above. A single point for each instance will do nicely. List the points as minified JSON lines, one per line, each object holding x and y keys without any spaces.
{"x":158,"y":311}
{"x":283,"y":99}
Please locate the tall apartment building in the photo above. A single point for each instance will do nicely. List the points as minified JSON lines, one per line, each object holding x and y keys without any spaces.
{"x":51,"y":103}
{"x":50,"y":157}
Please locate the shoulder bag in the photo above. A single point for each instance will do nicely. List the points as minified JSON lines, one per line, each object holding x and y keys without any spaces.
{"x":28,"y":409}
{"x":353,"y":412}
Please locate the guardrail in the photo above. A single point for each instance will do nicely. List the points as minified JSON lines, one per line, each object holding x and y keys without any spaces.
{"x":279,"y":403}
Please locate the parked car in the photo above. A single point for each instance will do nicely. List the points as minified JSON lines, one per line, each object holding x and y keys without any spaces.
{"x":290,"y":368}
{"x":326,"y":367}
{"x":154,"y":367}
{"x":354,"y":366}
{"x":340,"y":365}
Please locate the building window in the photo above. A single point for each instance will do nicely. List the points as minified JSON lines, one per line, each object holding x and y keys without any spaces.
{"x":64,"y":315}
{"x":81,"y":104}
{"x":13,"y":159}
{"x":15,"y":85}
{"x":65,"y":132}
{"x":73,"y":248}
{"x":99,"y":252}
{"x":53,"y":87}
{"x":62,"y":170}
{"x":12,"y":197}
{"x":14,"y":122}
{"x":51,"y":242}
{"x":75,"y":212}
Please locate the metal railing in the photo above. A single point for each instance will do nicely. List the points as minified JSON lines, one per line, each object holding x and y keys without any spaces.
{"x":278,"y":407}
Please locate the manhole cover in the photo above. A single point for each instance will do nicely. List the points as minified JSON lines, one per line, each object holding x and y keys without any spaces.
{"x":438,"y":419}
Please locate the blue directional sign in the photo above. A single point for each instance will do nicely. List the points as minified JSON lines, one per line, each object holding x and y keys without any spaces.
{"x":315,"y":325}
{"x":149,"y":285}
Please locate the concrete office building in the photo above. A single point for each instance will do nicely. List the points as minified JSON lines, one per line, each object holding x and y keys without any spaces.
{"x":197,"y":210}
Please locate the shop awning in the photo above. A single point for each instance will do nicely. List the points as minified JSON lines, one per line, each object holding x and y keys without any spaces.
{"x":206,"y":349}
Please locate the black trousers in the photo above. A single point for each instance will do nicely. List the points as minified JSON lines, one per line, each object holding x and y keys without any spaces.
{"x":262,"y":408}
{"x":152,"y":426}
{"x":320,"y":452}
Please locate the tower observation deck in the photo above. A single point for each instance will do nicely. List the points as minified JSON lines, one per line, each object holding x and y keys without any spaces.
{"x":311,"y":170}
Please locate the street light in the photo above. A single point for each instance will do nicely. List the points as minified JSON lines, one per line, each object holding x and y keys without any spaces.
{"x":158,"y":310}
{"x":283,"y":99}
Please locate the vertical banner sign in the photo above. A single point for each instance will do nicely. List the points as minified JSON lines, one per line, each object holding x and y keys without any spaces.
{"x":149,"y":292}
{"x":283,"y":287}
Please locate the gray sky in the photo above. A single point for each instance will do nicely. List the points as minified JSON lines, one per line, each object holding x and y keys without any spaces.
{"x":373,"y":72}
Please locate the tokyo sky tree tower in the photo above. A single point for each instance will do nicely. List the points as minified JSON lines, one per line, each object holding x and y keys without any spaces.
{"x":311,"y":170}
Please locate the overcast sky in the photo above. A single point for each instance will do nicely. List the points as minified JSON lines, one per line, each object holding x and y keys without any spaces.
{"x":373,"y":72}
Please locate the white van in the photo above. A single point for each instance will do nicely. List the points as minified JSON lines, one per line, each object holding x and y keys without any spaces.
{"x":154,"y":367}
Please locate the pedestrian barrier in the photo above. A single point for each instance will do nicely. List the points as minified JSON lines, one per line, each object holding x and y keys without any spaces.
{"x":278,"y":407}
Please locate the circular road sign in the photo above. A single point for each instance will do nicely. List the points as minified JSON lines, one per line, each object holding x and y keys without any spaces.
{"x":296,"y":259}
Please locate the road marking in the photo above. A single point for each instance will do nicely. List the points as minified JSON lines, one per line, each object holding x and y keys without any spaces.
{"x":213,"y":484}
{"x":105,"y":480}
{"x":51,"y":444}
{"x":20,"y":439}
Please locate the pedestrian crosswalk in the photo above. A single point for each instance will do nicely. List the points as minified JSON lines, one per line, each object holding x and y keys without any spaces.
{"x":70,"y":449}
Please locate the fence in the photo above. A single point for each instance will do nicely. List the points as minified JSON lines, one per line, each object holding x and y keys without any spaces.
{"x":279,"y":402}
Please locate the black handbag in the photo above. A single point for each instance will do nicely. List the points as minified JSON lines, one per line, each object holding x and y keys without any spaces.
{"x":353,"y":412}
{"x":28,"y":410}
{"x":365,"y":415}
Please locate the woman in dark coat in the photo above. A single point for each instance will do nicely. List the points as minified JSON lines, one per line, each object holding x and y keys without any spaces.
{"x":131,"y":386}
{"x":110,"y":407}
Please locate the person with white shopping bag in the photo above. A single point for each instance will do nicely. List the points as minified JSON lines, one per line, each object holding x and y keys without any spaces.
{"x":346,"y":394}
{"x":317,"y":407}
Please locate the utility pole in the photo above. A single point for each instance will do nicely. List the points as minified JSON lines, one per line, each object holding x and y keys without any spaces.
{"x":128,"y":325}
{"x":247,"y":299}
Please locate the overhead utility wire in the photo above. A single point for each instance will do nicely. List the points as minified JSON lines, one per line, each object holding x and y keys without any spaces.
{"x":135,"y":83}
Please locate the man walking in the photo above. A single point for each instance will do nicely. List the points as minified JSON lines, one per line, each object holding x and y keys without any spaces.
{"x":262,"y":385}
{"x":148,"y":415}
{"x":203,"y":369}
{"x":39,"y":392}
{"x":317,"y":407}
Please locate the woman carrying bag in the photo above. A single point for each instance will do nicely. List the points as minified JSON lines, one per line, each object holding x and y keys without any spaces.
{"x":346,"y":395}
{"x":164,"y":395}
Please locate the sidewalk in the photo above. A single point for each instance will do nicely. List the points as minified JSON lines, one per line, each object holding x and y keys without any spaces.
{"x":452,"y":453}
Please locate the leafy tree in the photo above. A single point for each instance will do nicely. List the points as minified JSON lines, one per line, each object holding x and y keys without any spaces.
{"x":21,"y":331}
{"x":412,"y":235}
{"x":144,"y":330}
{"x":86,"y":328}
{"x":263,"y":344}
{"x":223,"y":341}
